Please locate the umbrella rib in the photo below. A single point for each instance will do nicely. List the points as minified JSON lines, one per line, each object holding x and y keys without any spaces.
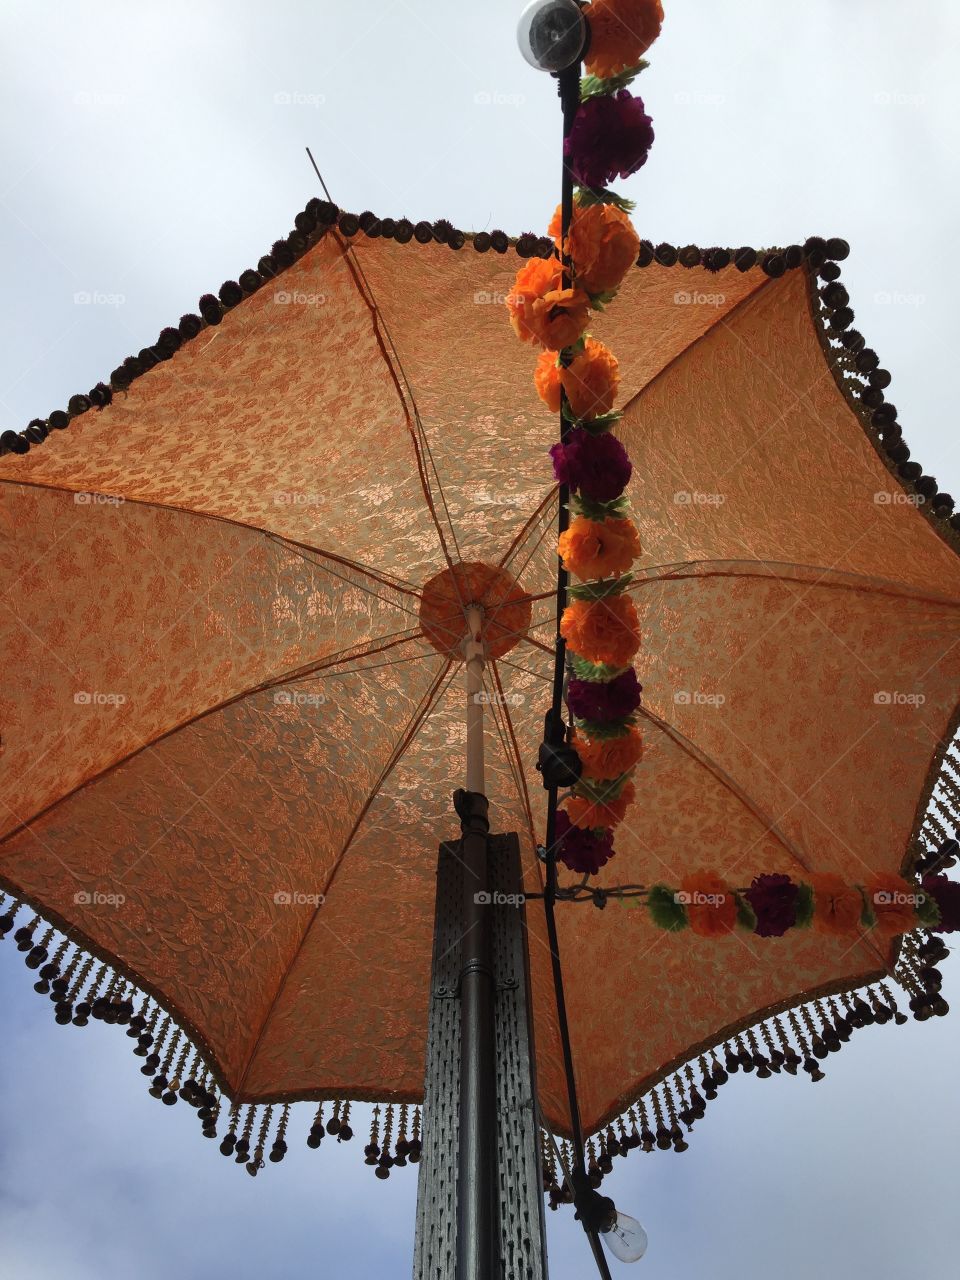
{"x":520,"y":778}
{"x":319,"y":670}
{"x":742,"y":569}
{"x":681,"y":355}
{"x":352,"y":565}
{"x":370,"y":299}
{"x":527,"y":528}
{"x":706,"y":762}
{"x":273,"y":682}
{"x":366,"y":293}
{"x":294,"y":544}
{"x":429,"y":700}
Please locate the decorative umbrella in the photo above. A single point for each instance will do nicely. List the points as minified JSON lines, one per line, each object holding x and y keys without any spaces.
{"x":237,"y":576}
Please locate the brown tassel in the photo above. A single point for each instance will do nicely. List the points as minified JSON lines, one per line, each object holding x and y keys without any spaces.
{"x":372,"y":1150}
{"x":256,"y":1163}
{"x":242,"y":1148}
{"x":317,"y":1129}
{"x":676,"y":1133}
{"x":386,"y":1160}
{"x":416,"y":1146}
{"x":229,"y":1142}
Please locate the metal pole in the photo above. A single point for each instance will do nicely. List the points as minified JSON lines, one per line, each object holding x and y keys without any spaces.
{"x":478,"y":1231}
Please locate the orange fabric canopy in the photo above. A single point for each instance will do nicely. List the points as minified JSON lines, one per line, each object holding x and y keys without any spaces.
{"x":219,"y":706}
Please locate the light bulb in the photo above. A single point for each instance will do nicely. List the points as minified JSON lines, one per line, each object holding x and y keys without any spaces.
{"x":551,"y":34}
{"x":626,"y":1239}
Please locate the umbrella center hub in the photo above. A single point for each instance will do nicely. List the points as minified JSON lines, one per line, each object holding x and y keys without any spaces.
{"x":448,"y":597}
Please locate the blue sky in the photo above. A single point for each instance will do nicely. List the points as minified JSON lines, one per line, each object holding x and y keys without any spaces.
{"x":152,"y":151}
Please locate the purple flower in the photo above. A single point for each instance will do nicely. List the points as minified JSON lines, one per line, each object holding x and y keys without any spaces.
{"x":610,"y":138}
{"x":946,"y":894}
{"x":595,"y":465}
{"x":774,"y":900}
{"x":610,"y":700}
{"x":582,"y":851}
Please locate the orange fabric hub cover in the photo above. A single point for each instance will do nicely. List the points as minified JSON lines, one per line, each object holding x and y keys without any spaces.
{"x":446,"y":597}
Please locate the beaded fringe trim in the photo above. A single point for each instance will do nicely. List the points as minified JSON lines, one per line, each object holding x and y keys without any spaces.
{"x":81,"y":988}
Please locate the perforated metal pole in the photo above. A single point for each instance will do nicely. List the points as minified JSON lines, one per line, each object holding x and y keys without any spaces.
{"x":477,"y":1227}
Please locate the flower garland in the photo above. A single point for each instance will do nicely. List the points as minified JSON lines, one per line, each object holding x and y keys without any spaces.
{"x":578,"y":376}
{"x":774,"y":904}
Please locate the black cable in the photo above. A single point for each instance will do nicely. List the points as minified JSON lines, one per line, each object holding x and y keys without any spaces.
{"x":569,"y":89}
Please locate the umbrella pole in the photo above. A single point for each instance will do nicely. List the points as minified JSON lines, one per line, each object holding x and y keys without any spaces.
{"x":478,"y":1231}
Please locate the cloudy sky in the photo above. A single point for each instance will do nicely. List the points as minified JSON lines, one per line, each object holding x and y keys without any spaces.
{"x":151,"y":151}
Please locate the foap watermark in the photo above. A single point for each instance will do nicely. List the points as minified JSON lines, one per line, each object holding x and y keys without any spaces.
{"x":484,"y":699}
{"x":897,"y":98}
{"x":498,"y":899}
{"x":694,"y":698}
{"x":697,"y":98}
{"x":486,"y":298}
{"x":297,"y":698}
{"x":98,"y":499}
{"x":898,"y":499}
{"x":99,"y":98}
{"x":97,"y":298}
{"x":296,"y":498}
{"x":86,"y":698}
{"x":487,"y":499}
{"x":696,"y":298}
{"x":294,"y":98}
{"x":698,"y":899}
{"x":494,"y":98}
{"x":297,"y":298}
{"x":897,"y":898}
{"x":97,"y":898}
{"x":294,"y":898}
{"x":894,"y":698}
{"x":894,"y":298}
{"x":692,"y":498}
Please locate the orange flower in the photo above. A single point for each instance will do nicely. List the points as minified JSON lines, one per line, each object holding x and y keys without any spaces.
{"x":541,"y":311}
{"x":606,"y":630}
{"x":837,"y":906}
{"x":602,"y":245}
{"x":590,"y":380}
{"x":710,"y":904}
{"x":599,"y":548}
{"x":894,"y":903}
{"x":621,"y":31}
{"x":600,"y":813}
{"x":607,"y":758}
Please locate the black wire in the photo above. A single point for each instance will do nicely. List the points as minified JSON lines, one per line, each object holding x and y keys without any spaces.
{"x":569,"y":88}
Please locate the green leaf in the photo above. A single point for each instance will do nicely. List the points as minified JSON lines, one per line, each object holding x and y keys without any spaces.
{"x":665,"y":911}
{"x":602,"y":589}
{"x":602,"y":730}
{"x":600,"y":300}
{"x":596,"y":425}
{"x":595,"y":86}
{"x":603,"y":423}
{"x":615,"y":509}
{"x":868,"y":917}
{"x":587,"y":196}
{"x":603,"y":791}
{"x":928,"y":910}
{"x":746,"y":916}
{"x":804,"y":906}
{"x":597,"y":671}
{"x":566,"y":355}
